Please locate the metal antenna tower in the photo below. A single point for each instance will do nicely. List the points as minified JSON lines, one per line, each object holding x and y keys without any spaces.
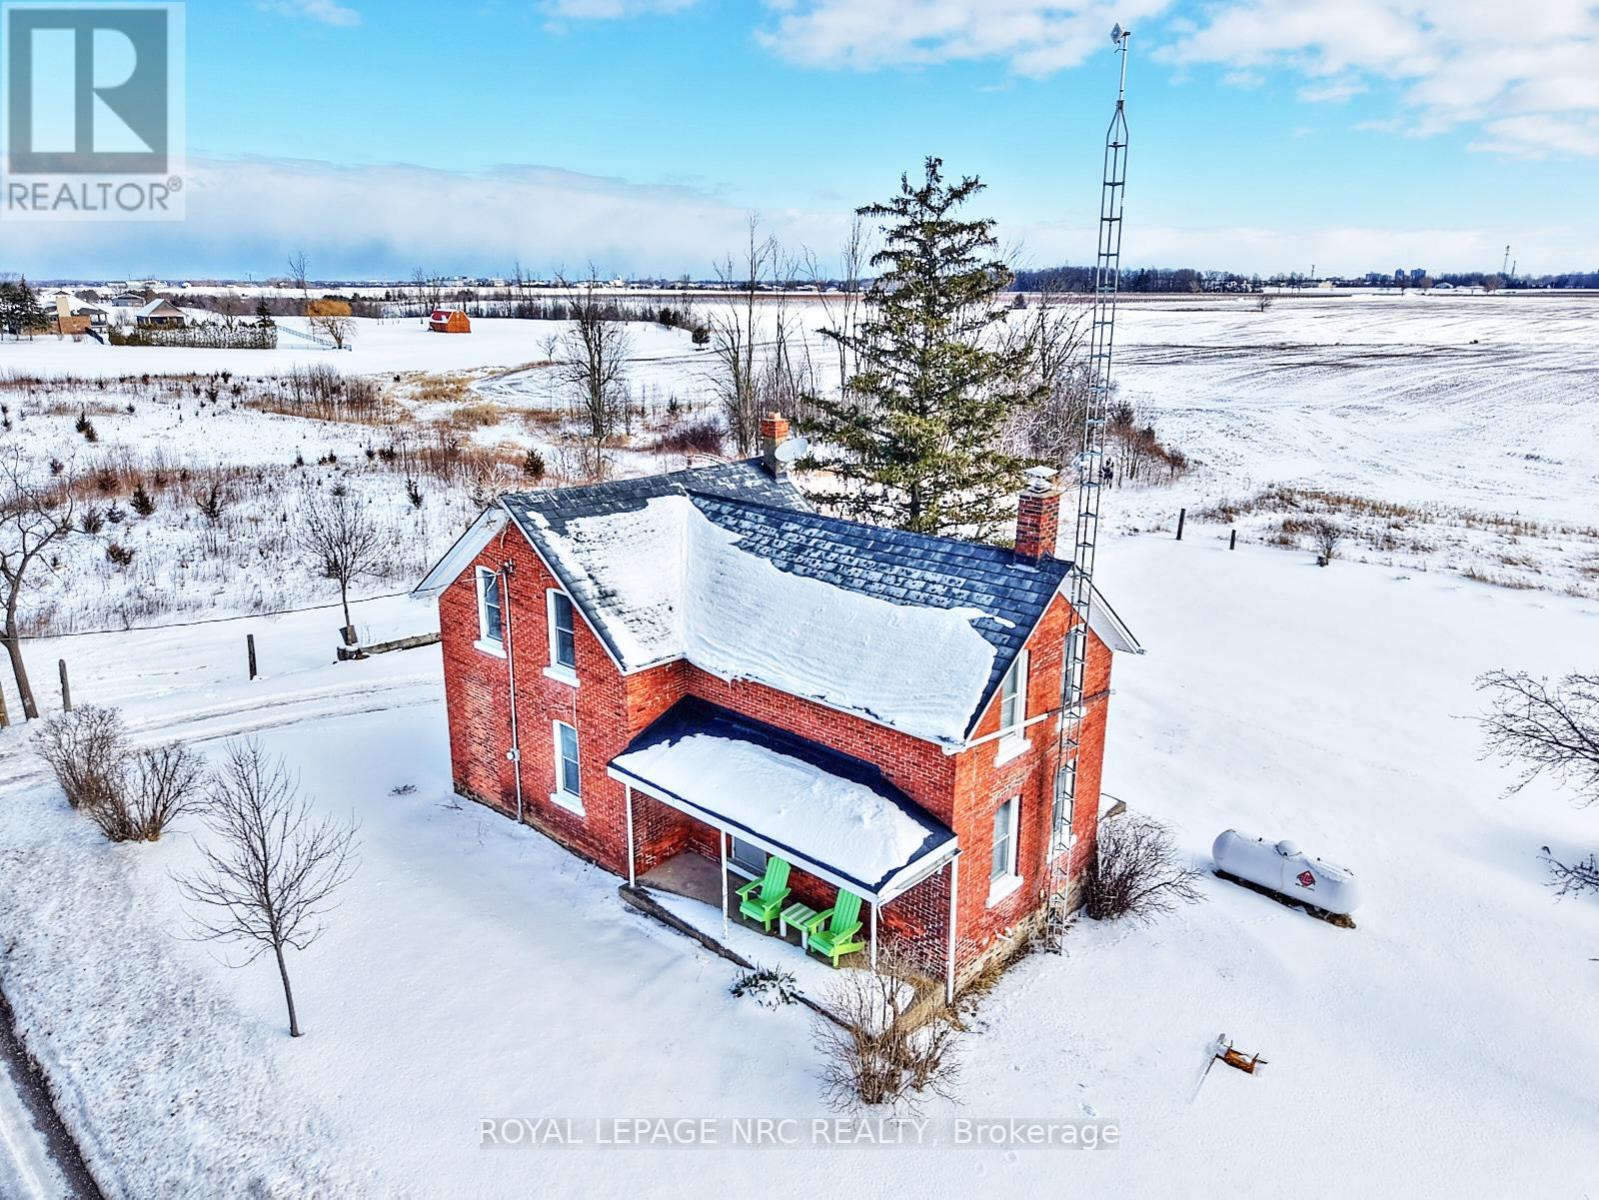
{"x":1107,"y":282}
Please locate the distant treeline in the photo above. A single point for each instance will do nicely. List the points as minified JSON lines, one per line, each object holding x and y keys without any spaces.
{"x":1187,"y":279}
{"x":1137,"y":279}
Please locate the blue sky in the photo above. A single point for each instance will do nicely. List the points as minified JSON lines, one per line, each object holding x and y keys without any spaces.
{"x":1267,"y":134}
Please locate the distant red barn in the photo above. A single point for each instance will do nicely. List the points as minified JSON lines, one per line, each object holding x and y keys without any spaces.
{"x":449,"y":320}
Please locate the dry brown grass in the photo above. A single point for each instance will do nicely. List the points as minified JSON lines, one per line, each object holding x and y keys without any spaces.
{"x":478,"y":415}
{"x":438,"y":389}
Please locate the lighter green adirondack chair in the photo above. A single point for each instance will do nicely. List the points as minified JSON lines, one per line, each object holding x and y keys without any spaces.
{"x":760,"y":899}
{"x":833,"y":932}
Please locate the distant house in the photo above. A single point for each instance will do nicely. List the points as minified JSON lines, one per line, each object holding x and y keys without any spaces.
{"x":449,"y":320}
{"x":159,"y":314}
{"x":73,"y":318}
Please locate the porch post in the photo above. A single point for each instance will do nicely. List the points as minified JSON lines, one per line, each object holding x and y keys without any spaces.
{"x":874,"y":935}
{"x":632,"y":880}
{"x":721,"y":841}
{"x":949,"y":968}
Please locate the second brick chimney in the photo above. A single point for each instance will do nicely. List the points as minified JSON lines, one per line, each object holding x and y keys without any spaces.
{"x":774,"y":432}
{"x":1038,"y":516}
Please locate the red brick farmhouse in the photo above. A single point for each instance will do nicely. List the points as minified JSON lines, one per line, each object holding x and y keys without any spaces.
{"x":699,"y":664}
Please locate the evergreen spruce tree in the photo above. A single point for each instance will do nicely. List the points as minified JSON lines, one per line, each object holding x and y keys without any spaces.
{"x":918,"y":434}
{"x":31,"y":318}
{"x":9,"y":303}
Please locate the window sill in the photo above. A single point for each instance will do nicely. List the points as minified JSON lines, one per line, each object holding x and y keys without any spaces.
{"x":572,"y":804}
{"x":561,"y":675}
{"x":495,"y":648}
{"x":1003,"y":888}
{"x":1011,"y":746}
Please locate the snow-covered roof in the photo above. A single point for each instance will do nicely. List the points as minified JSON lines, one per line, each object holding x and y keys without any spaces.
{"x":729,"y":569}
{"x":160,"y":308}
{"x":832,"y":814}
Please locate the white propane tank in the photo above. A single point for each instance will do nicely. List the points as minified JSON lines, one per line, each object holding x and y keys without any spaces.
{"x":1285,"y":869}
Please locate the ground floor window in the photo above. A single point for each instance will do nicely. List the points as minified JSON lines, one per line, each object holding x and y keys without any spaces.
{"x":750,"y":859}
{"x":1002,"y":876}
{"x":568,"y":784}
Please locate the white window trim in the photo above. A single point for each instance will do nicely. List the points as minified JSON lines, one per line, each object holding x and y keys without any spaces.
{"x":557,"y":670}
{"x":494,"y":646}
{"x":560,"y":796}
{"x":1013,"y":737}
{"x":999,"y":887}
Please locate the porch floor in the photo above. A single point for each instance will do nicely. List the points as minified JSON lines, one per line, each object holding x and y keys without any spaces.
{"x":696,"y":877}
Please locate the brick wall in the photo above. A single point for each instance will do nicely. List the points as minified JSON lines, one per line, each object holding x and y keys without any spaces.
{"x":963,"y":790}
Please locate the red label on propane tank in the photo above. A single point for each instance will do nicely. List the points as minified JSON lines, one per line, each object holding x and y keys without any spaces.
{"x":1306,"y":879}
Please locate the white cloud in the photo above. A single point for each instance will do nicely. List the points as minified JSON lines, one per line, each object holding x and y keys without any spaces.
{"x":1538,"y":136}
{"x":1034,"y":37}
{"x":1454,"y":63}
{"x":360,"y":221}
{"x":329,"y":12}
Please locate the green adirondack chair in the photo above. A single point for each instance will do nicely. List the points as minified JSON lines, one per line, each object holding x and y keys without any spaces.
{"x":761,"y":899}
{"x":834,"y":932}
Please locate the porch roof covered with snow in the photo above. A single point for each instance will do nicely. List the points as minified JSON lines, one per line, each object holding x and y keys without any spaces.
{"x":831,"y":815}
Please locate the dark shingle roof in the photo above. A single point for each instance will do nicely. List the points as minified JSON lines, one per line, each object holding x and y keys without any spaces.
{"x":772,"y":521}
{"x":747,"y":479}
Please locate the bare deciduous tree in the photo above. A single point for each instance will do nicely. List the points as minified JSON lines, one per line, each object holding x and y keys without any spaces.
{"x":1553,"y":732}
{"x":593,"y":356}
{"x":274,"y":877}
{"x":340,"y":330}
{"x":1548,"y":731}
{"x":1050,"y":340}
{"x":1138,"y":871}
{"x":339,"y":535}
{"x":843,"y":309}
{"x":34,"y":516}
{"x":734,"y":337}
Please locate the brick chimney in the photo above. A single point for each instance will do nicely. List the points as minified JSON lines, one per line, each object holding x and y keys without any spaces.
{"x":1038,"y":516}
{"x":774,"y":432}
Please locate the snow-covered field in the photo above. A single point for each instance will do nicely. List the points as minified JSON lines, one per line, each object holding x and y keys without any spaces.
{"x":474,"y":970}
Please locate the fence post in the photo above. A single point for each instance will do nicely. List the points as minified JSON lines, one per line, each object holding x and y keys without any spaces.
{"x":1232,"y":542}
{"x":1182,"y":515}
{"x":249,"y":645}
{"x":66,"y":690}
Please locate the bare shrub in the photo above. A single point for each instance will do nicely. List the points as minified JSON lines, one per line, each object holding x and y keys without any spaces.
{"x":876,"y":1057}
{"x":1139,"y":874}
{"x":87,"y":751}
{"x":1325,"y":537}
{"x":698,"y":437}
{"x":767,"y":986}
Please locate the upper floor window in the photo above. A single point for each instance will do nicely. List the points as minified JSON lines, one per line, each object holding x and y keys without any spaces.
{"x":490,"y":617}
{"x":563,"y":638}
{"x":1013,"y":699}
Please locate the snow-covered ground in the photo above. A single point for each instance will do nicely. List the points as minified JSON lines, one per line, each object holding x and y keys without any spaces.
{"x":475,"y":970}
